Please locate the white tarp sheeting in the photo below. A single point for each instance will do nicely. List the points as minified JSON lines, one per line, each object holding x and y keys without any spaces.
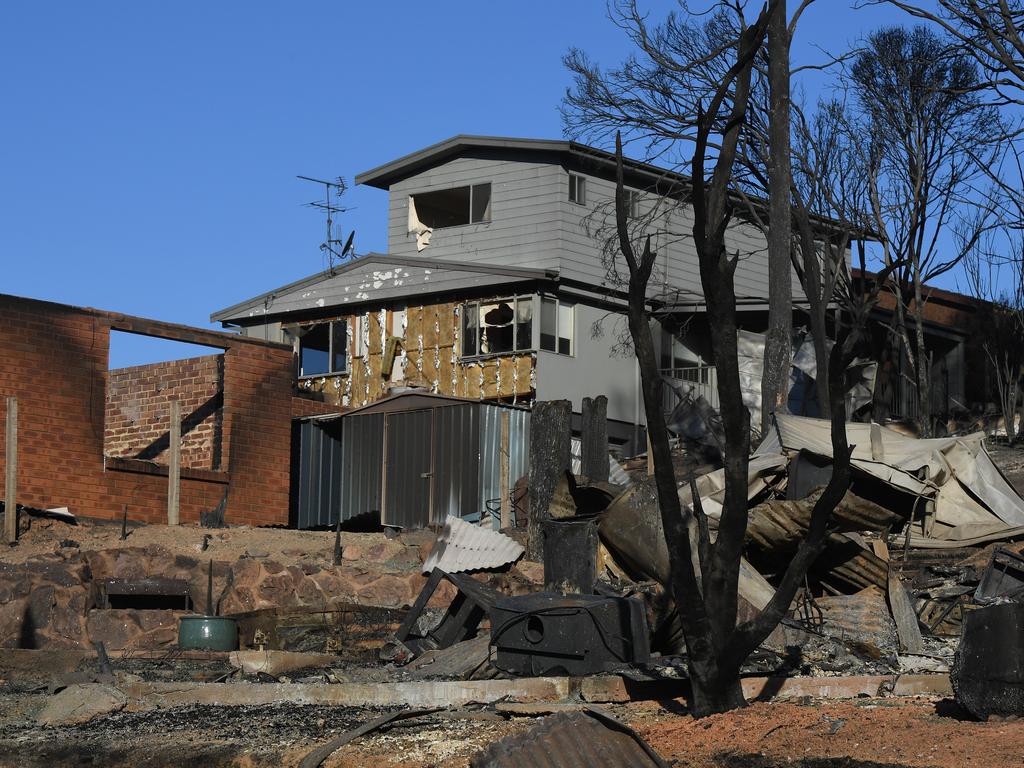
{"x":971,"y":497}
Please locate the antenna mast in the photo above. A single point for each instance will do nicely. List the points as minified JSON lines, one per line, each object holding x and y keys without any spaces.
{"x":330,"y":244}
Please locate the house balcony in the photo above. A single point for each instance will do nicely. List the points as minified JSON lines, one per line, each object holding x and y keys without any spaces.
{"x":689,"y":382}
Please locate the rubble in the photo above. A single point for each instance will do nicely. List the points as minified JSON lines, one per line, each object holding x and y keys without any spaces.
{"x":988,"y":673}
{"x":585,"y":738}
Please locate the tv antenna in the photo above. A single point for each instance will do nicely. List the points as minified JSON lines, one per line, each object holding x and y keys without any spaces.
{"x":333,"y":247}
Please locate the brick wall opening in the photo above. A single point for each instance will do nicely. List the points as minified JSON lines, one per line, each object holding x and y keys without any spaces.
{"x":138,"y":403}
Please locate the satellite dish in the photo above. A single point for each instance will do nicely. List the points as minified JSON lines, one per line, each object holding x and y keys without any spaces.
{"x":348,"y":244}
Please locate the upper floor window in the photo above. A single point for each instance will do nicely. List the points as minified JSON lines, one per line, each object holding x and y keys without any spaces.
{"x":632,"y":203}
{"x":496,"y":327}
{"x":453,"y":207}
{"x":322,"y":349}
{"x":577,"y":189}
{"x":557,"y":320}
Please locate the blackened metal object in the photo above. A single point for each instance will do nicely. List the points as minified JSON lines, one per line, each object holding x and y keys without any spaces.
{"x":988,"y":671}
{"x":471,"y":604}
{"x":553,"y":634}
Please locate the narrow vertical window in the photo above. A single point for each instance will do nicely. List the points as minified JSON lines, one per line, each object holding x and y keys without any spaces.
{"x":633,"y":203}
{"x":557,"y":319}
{"x":339,"y":346}
{"x":577,"y":189}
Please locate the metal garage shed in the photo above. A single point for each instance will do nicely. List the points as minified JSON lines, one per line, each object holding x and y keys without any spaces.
{"x":408,"y":460}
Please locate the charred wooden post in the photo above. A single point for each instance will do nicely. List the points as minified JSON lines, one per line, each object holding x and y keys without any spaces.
{"x":11,"y":465}
{"x":174,"y":465}
{"x":550,"y":436}
{"x":504,"y":481}
{"x":594,"y":439}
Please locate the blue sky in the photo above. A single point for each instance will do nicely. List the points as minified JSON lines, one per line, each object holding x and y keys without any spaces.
{"x":149,"y":151}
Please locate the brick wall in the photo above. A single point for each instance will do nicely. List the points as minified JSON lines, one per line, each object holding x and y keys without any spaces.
{"x":138,"y":406}
{"x":54,"y":359}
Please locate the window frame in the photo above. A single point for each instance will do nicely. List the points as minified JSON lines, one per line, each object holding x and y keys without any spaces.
{"x":469,"y":213}
{"x":514,"y":301}
{"x":559,"y":304}
{"x":577,"y":189}
{"x":633,"y":203}
{"x":299,"y":375}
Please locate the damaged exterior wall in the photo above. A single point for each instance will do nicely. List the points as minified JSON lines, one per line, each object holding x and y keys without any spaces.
{"x":54,"y":359}
{"x":427,"y":355}
{"x":138,"y":407}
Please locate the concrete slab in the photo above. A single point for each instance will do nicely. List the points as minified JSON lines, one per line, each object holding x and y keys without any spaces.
{"x":412,"y":694}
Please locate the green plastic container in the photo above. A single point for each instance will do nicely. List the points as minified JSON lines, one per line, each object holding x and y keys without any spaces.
{"x":208,"y":633}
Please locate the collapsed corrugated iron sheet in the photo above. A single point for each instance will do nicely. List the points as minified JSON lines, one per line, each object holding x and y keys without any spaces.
{"x":462,"y":546}
{"x":577,"y":740}
{"x":972,"y":498}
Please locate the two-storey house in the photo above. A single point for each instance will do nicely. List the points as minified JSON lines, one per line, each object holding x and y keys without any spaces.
{"x":495,"y":285}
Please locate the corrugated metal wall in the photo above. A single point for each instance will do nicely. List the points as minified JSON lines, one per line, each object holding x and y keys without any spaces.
{"x":362,"y":448}
{"x":411,"y":468}
{"x":490,"y":452}
{"x":456,"y":488}
{"x":320,"y":469}
{"x":407,"y":468}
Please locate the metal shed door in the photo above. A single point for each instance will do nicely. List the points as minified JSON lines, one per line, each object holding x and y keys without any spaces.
{"x":408,"y":453}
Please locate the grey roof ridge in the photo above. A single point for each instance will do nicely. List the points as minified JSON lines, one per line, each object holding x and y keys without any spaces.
{"x":375,"y":176}
{"x":383,"y":258}
{"x":382,"y":175}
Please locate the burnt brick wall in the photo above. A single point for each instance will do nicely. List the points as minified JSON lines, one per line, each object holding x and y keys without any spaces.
{"x":138,"y":408}
{"x":54,"y":359}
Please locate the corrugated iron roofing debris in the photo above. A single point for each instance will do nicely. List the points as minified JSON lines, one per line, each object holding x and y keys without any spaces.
{"x":972,"y":498}
{"x":577,"y":740}
{"x":462,"y":546}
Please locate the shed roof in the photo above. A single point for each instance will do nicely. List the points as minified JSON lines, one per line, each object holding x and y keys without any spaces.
{"x":375,"y":278}
{"x":419,"y":399}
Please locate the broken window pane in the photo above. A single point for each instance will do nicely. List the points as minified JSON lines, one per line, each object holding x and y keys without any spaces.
{"x":453,"y":207}
{"x":524,"y":323}
{"x":314,"y":351}
{"x":496,"y":328}
{"x":469,"y":330}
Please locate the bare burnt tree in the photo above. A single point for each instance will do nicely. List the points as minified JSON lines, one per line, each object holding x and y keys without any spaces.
{"x":829,"y":219}
{"x":994,"y":269}
{"x":778,"y":345}
{"x":705,"y":573}
{"x":653,"y":98}
{"x":991,"y":32}
{"x":924,"y":136}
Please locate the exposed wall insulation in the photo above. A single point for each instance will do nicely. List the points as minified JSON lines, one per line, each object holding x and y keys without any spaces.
{"x":427,"y":356}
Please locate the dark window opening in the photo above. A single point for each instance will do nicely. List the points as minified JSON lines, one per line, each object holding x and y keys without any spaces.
{"x":577,"y":189}
{"x":323,"y":349}
{"x":497,"y":327}
{"x":557,"y":319}
{"x":453,"y":207}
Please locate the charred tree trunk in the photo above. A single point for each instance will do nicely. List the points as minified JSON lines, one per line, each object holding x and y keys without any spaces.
{"x":550,"y":436}
{"x":778,"y":351}
{"x":923,"y":367}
